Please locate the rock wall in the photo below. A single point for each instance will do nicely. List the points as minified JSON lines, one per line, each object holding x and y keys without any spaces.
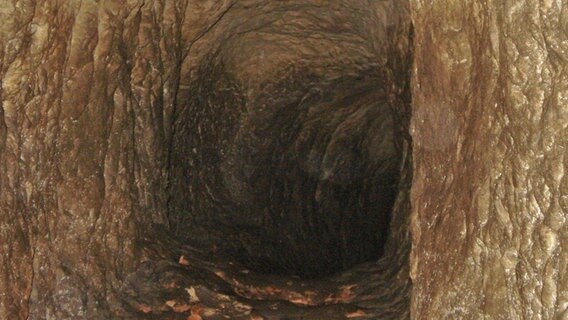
{"x":490,"y":134}
{"x":87,"y":94}
{"x":93,"y":111}
{"x":94,"y":126}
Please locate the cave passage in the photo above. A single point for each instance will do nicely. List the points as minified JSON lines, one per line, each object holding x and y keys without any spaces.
{"x":257,"y":159}
{"x":206,"y":160}
{"x":290,"y":159}
{"x":284,"y":155}
{"x":304,"y":184}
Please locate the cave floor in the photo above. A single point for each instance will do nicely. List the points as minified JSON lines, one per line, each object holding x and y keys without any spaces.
{"x":192,"y":284}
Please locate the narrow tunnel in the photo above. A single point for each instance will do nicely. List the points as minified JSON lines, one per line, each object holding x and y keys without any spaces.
{"x":290,"y":147}
{"x":299,"y":159}
{"x":294,"y":172}
{"x":262,"y":166}
{"x":287,"y":151}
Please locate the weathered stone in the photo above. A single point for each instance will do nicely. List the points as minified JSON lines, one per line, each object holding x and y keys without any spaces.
{"x":265,"y":132}
{"x":490,"y":131}
{"x":190,"y":159}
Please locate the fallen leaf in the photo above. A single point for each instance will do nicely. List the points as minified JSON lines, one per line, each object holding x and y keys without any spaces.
{"x":272,"y":290}
{"x":209,"y":312}
{"x":144,"y":308}
{"x":300,"y":301}
{"x":192,"y":294}
{"x":307,"y":298}
{"x":347,"y":292}
{"x":356,"y":314}
{"x":182,"y":308}
{"x":241,"y":307}
{"x":183,"y":261}
{"x":345,"y":295}
{"x":310,"y":293}
{"x":177,"y":307}
{"x":197,"y":309}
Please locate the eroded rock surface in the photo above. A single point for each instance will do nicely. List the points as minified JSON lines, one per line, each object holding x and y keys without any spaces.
{"x":136,"y":137}
{"x":127,"y":125}
{"x":490,"y":131}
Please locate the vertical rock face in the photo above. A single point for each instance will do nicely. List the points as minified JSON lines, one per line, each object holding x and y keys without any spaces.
{"x":490,"y":133}
{"x":275,"y":131}
{"x":86,"y":99}
{"x":103,"y":110}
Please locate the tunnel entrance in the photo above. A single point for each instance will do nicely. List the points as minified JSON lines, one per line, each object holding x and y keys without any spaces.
{"x":290,"y":162}
{"x":301,"y":181}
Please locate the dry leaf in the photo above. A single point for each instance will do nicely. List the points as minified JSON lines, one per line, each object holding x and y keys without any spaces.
{"x":144,"y":308}
{"x":192,"y":294}
{"x":310,"y":294}
{"x":272,"y":290}
{"x":356,"y":314}
{"x":182,"y":308}
{"x":197,"y":309}
{"x":345,"y":295}
{"x":183,"y":261}
{"x":209,"y":312}
{"x":347,"y":292}
{"x":177,"y":307}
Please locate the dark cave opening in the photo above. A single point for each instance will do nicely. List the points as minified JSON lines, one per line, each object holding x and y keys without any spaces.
{"x":255,"y":159}
{"x":252,"y":159}
{"x":303,"y":184}
{"x":293,"y":169}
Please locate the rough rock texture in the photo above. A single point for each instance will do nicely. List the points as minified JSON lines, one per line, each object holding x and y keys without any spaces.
{"x":188,"y":159}
{"x":490,"y":133}
{"x":127,"y":125}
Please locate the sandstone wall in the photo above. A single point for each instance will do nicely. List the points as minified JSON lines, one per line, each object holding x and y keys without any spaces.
{"x":490,"y":134}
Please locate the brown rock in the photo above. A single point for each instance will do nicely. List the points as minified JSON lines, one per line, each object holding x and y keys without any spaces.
{"x":150,"y":151}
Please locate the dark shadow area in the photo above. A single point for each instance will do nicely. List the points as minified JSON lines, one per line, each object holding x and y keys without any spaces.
{"x":291,"y":166}
{"x":294,"y":171}
{"x":304,"y":184}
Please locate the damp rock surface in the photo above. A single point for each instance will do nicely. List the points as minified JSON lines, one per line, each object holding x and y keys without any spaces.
{"x":232,"y":159}
{"x":490,"y":133}
{"x":154,"y":157}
